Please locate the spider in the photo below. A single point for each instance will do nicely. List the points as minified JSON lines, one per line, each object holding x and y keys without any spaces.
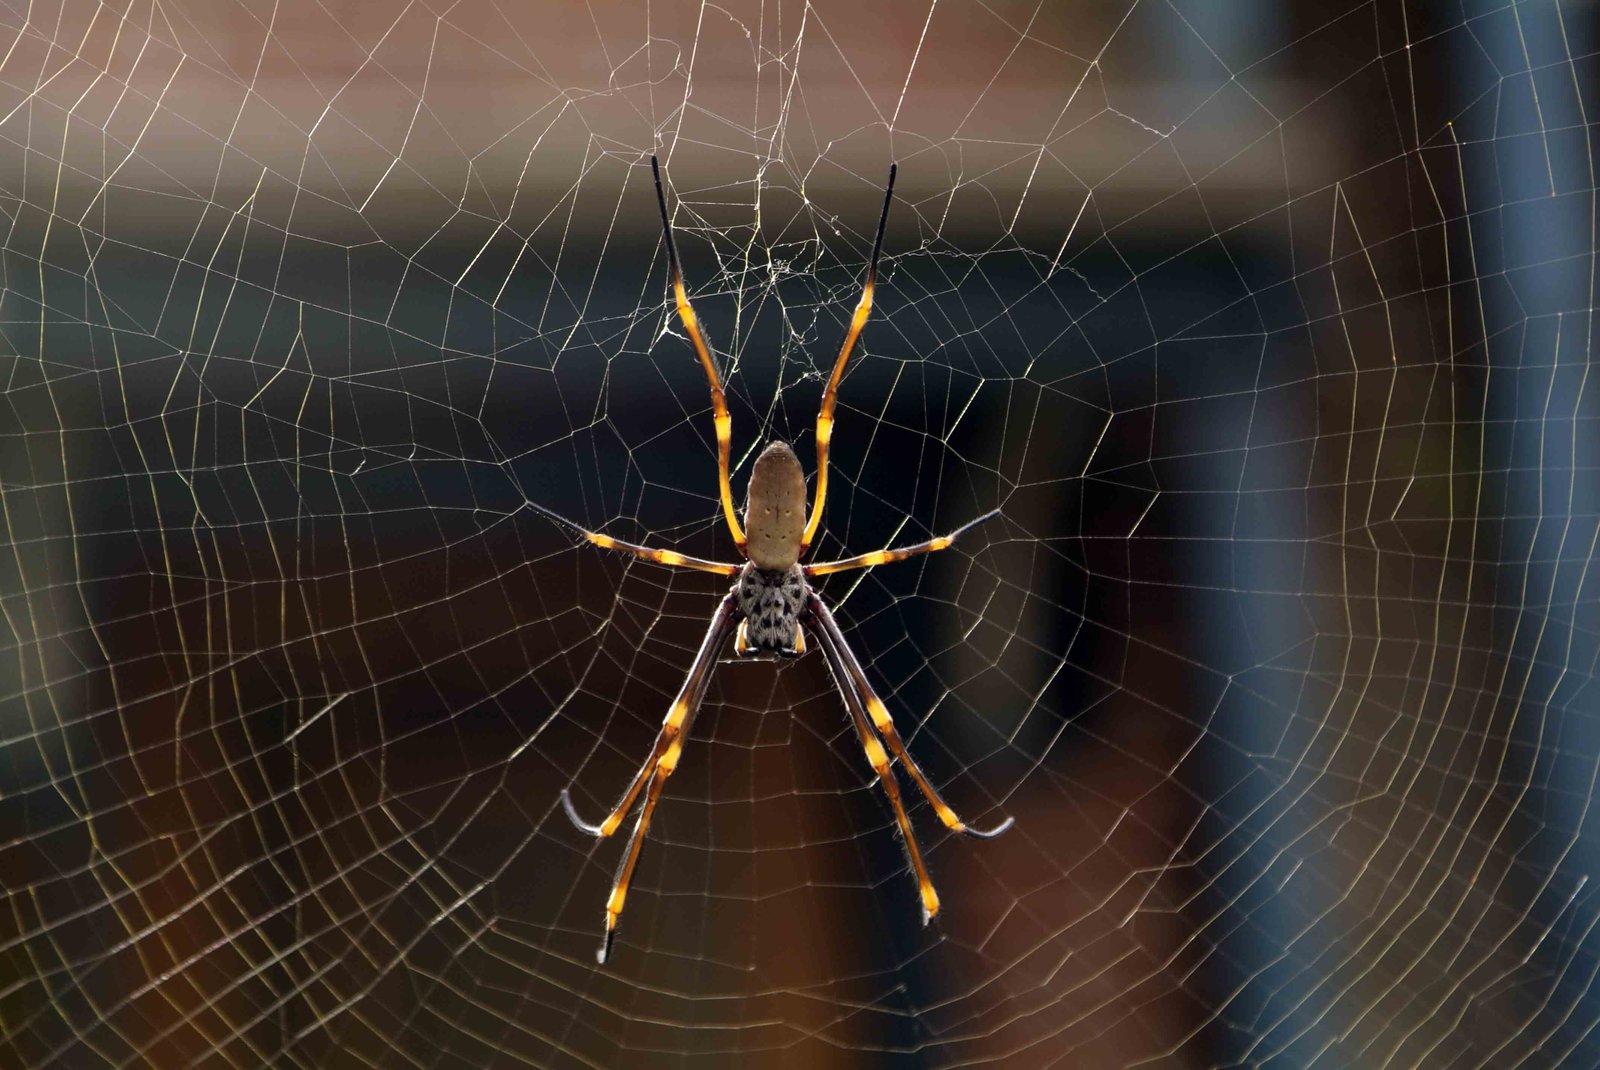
{"x":771,"y":605}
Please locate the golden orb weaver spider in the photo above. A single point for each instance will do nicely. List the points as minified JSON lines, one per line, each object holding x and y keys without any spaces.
{"x":771,"y":600}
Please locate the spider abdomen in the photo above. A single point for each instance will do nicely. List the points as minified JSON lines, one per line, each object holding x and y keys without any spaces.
{"x":770,"y":603}
{"x":775,"y":510}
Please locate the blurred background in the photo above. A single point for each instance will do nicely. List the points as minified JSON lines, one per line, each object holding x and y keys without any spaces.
{"x":1266,"y":325}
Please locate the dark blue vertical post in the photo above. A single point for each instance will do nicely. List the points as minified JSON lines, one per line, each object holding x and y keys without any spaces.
{"x":1524,"y":99}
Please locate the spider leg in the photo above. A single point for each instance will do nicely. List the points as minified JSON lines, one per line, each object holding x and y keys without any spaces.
{"x":648,"y":553}
{"x":630,"y":858}
{"x":830,"y":395}
{"x":719,"y":402}
{"x":657,"y":768}
{"x":880,"y":765}
{"x":884,"y":557}
{"x":885,"y":724}
{"x":673,"y":726}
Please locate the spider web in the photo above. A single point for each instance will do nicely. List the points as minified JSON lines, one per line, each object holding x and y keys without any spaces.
{"x":1267,"y":326}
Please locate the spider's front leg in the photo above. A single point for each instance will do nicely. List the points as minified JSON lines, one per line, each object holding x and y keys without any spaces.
{"x":879,"y":760}
{"x":854,"y":682}
{"x":657,"y":768}
{"x":867,"y":713}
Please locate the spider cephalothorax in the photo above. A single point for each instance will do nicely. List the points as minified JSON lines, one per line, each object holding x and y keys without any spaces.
{"x":771,"y":601}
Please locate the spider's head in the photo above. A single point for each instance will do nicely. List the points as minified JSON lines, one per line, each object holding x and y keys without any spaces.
{"x":775,"y":510}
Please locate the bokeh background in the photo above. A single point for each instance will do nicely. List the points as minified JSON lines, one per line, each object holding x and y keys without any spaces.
{"x":1267,"y":325}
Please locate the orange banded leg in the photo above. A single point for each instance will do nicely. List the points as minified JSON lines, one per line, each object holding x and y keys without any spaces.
{"x":884,"y":557}
{"x":648,"y":553}
{"x":630,"y":857}
{"x":880,"y":765}
{"x":830,"y":395}
{"x":720,"y":416}
{"x":657,"y":768}
{"x":829,"y":628}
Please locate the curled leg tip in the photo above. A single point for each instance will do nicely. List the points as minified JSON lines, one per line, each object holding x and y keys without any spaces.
{"x":572,"y":815}
{"x":989,"y":834}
